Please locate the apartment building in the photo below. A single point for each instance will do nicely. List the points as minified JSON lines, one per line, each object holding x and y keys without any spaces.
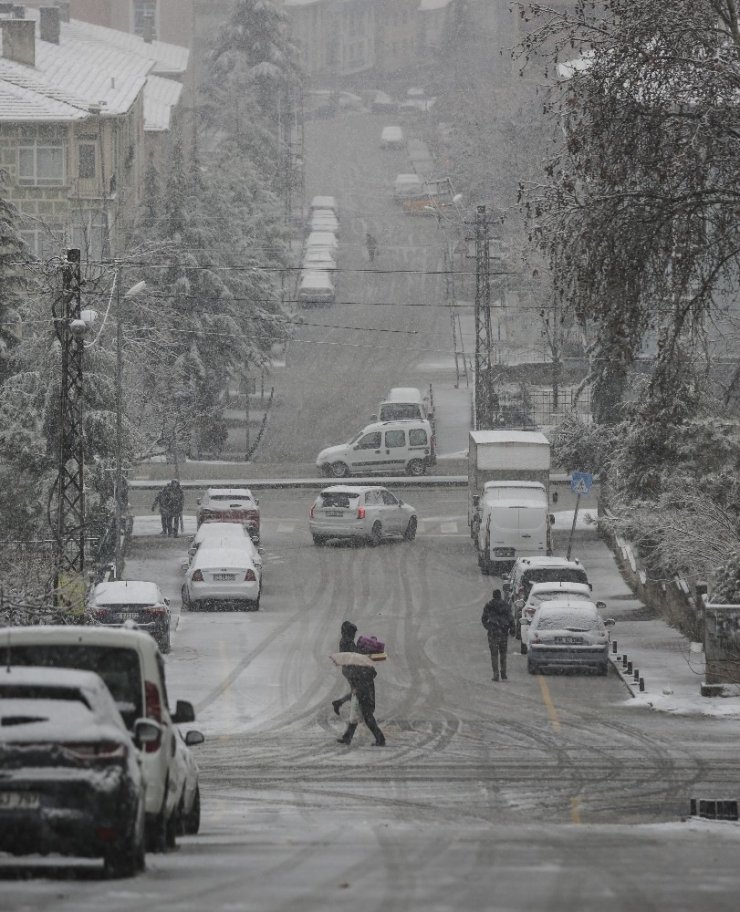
{"x":82,"y":111}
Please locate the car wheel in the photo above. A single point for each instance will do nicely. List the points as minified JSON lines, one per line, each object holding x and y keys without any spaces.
{"x":376,"y":533}
{"x":319,"y":540}
{"x":531,"y":667}
{"x":127,"y":857}
{"x":165,"y":644}
{"x":339,"y":469}
{"x":156,"y":833}
{"x":192,"y":820}
{"x":523,"y":648}
{"x":416,"y":468}
{"x":410,"y":533}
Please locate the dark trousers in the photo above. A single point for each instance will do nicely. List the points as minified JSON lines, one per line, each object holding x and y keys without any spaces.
{"x":498,"y":644}
{"x":368,"y":717}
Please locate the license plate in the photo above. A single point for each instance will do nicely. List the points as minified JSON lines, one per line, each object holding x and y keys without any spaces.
{"x":11,"y":801}
{"x":333,"y":512}
{"x":569,"y":641}
{"x":224,"y":577}
{"x":128,"y":615}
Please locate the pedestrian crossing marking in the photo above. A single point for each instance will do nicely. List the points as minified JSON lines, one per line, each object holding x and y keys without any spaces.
{"x":286,"y":527}
{"x":449,"y":528}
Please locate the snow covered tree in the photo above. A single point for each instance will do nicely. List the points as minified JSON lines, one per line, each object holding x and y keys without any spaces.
{"x":638,"y":210}
{"x":13,"y":277}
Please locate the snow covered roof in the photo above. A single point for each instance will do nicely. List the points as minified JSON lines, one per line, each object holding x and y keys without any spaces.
{"x":160,"y":96}
{"x":532,"y":437}
{"x":91,"y":66}
{"x":428,"y":5}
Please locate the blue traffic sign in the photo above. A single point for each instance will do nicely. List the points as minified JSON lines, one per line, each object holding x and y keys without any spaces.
{"x":580,"y":482}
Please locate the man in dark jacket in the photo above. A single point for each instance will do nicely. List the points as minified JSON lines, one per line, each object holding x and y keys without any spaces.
{"x":346,"y":644}
{"x":362,"y":681}
{"x":177,"y":502}
{"x":165,"y":501}
{"x":499,"y":622}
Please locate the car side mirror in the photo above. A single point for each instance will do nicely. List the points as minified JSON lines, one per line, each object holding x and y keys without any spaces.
{"x":555,"y":496}
{"x":373,"y":417}
{"x":166,"y":601}
{"x":146,"y":731}
{"x":476,"y":500}
{"x":601,"y":605}
{"x":609,"y":622}
{"x":184,"y":712}
{"x":194,"y":737}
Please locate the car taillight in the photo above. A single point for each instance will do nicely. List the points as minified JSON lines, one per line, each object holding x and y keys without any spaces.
{"x":156,"y":609}
{"x":360,"y":512}
{"x":95,"y":750}
{"x":249,"y":576}
{"x":153,"y":711}
{"x":253,"y":516}
{"x":197,"y":577}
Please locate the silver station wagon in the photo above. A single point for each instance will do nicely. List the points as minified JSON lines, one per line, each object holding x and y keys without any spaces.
{"x":361,"y":512}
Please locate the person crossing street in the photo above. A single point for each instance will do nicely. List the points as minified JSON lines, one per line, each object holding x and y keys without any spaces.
{"x":499,"y":623}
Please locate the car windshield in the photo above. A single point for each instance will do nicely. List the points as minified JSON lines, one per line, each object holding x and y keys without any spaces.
{"x":539,"y":597}
{"x":117,"y":666}
{"x":339,"y":499}
{"x":230,"y":497}
{"x":554,"y":575}
{"x":569,"y":620}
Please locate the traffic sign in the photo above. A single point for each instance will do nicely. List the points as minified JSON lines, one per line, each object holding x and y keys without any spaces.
{"x":580,"y":482}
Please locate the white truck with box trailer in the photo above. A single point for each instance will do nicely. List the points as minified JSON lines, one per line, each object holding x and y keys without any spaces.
{"x":503,"y":455}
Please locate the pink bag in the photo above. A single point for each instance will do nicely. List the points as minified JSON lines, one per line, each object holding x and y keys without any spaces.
{"x":370,"y":645}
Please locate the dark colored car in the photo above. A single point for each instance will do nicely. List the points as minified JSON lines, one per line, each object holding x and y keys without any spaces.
{"x":118,"y":601}
{"x":72,"y":780}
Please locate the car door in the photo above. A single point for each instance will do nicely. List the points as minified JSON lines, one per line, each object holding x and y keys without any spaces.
{"x":394,"y":451}
{"x":393,"y":516}
{"x":367,"y":454}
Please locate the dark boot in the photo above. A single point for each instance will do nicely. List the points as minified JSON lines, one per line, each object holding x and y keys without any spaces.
{"x":348,"y":735}
{"x":337,"y":704}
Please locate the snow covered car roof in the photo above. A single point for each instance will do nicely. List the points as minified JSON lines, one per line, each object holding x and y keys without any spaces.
{"x":127,"y":592}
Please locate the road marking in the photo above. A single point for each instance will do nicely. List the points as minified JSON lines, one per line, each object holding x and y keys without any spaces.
{"x":449,"y":528}
{"x":552,"y":713}
{"x":575,"y":810}
{"x":286,"y":527}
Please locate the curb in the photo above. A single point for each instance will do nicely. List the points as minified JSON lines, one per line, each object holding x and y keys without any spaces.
{"x":628,"y":682}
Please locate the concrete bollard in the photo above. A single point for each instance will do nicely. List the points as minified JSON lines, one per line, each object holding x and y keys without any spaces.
{"x":614,"y":647}
{"x":624,"y":661}
{"x":642,"y":684}
{"x":636,"y":674}
{"x":629,"y":668}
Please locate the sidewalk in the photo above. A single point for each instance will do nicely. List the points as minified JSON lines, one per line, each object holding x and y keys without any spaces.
{"x":671,"y":667}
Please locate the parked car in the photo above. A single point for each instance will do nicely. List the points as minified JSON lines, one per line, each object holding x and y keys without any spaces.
{"x":323,"y":220}
{"x":132,"y":667}
{"x":222,"y":575}
{"x":237,"y":505}
{"x":118,"y":601}
{"x":383,"y":447}
{"x":526,"y":571}
{"x":568,"y":634}
{"x":361,"y":513}
{"x":72,"y":775}
{"x":224,"y":534}
{"x":539,"y":594}
{"x":188,"y":814}
{"x":321,"y":259}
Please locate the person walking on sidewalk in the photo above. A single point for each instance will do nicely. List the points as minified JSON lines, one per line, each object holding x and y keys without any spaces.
{"x":372,"y":246}
{"x":346,"y":644}
{"x":177,"y":500}
{"x":499,"y":623}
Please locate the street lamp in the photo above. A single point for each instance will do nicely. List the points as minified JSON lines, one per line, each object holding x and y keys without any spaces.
{"x":131,"y":293}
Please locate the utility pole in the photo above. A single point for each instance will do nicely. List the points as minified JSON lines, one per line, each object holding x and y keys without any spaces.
{"x":485,"y":395}
{"x":69,"y":558}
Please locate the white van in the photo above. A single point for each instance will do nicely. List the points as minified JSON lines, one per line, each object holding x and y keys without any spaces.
{"x":514,"y":522}
{"x":325,"y":202}
{"x":383,"y":447}
{"x":131,"y":665}
{"x":391,"y":138}
{"x":316,"y":288}
{"x":407,"y":185}
{"x":402,"y":402}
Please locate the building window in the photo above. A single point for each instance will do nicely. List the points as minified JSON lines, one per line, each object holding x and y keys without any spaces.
{"x":142,"y":10}
{"x":41,"y":165}
{"x":44,"y":241}
{"x":86,"y":160}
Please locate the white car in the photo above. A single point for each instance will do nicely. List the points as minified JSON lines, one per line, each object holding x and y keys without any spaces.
{"x":524,"y":609}
{"x":320,"y":258}
{"x":130,"y":664}
{"x":115,"y":602}
{"x":361,"y":513}
{"x":324,"y":221}
{"x":188,"y":814}
{"x":224,"y":575}
{"x":71,"y":770}
{"x":237,"y":505}
{"x":321,"y":239}
{"x":221,"y":535}
{"x":568,"y":633}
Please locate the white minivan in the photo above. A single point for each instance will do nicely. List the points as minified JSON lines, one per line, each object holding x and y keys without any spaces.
{"x":386,"y":447}
{"x":402,"y":402}
{"x":514,"y":522}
